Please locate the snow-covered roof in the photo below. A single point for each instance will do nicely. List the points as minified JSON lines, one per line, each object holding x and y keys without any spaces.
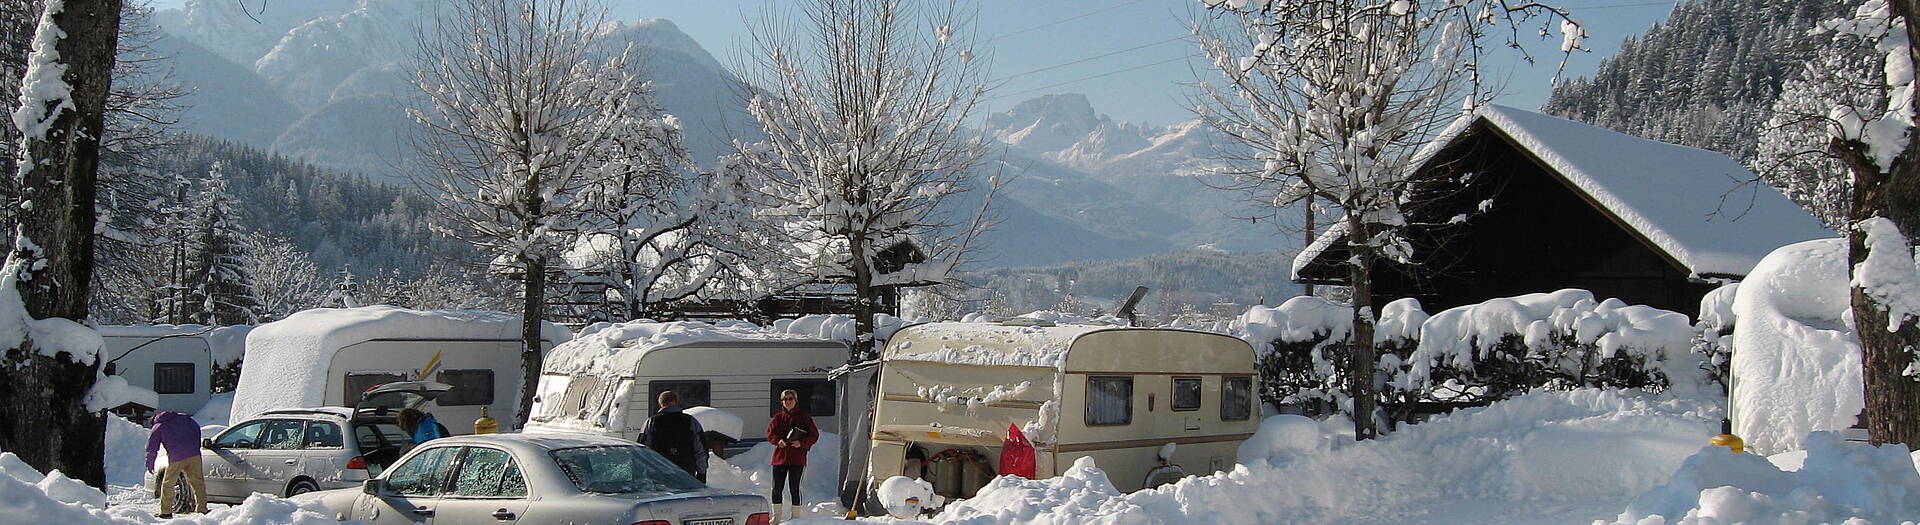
{"x":227,"y":343}
{"x":614,"y":349}
{"x":988,"y":344}
{"x":1698,"y":207}
{"x":287,"y":360}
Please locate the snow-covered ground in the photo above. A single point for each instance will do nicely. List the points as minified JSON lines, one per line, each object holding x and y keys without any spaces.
{"x":1580,"y":456}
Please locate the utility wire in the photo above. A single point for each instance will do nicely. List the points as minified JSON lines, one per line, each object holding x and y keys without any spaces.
{"x":1064,"y":20}
{"x":1096,"y":57}
{"x":1085,"y":78}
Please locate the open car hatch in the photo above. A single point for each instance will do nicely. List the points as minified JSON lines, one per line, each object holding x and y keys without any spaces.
{"x":391,"y":397}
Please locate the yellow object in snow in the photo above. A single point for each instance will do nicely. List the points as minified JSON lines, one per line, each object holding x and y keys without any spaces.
{"x":485,"y":425}
{"x":1730,"y":441}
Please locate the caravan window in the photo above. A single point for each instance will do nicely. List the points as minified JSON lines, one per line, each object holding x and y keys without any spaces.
{"x":1236,"y":398}
{"x":470,"y":387}
{"x":1109,"y":400}
{"x":1186,"y":393}
{"x":358,"y":382}
{"x":173,"y":378}
{"x":817,"y":396}
{"x":692,"y":393}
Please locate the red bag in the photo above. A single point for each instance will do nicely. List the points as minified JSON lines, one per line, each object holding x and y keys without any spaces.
{"x":1016,"y":454}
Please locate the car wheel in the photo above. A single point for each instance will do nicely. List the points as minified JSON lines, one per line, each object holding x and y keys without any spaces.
{"x":301,"y":487}
{"x":182,"y":498}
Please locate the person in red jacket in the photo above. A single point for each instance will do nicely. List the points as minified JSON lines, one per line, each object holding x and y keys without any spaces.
{"x":792,"y":433}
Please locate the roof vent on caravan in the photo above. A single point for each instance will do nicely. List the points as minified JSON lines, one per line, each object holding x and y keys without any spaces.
{"x":1025,"y":321}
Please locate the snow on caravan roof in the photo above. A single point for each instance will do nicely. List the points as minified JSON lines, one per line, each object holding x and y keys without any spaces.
{"x":615,"y":349}
{"x":287,"y":360}
{"x":228,"y":343}
{"x":988,"y":344}
{"x":1699,"y":207}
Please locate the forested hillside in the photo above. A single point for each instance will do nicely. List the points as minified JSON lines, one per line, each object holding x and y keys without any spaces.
{"x":1706,"y":77}
{"x":1180,"y":283}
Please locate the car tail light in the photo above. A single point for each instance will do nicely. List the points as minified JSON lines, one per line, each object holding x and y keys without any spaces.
{"x":653,"y":522}
{"x":759,"y":518}
{"x":358,"y":462}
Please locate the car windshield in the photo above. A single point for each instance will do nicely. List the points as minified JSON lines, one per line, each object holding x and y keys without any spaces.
{"x":618,"y":469}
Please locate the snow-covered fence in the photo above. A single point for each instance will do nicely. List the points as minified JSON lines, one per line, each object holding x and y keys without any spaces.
{"x":1470,"y":354}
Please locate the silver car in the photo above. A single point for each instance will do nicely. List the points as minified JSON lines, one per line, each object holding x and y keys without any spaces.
{"x":294,"y":451}
{"x":539,"y":478}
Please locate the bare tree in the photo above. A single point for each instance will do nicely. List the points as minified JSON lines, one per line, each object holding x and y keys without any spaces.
{"x":521,"y":107}
{"x":1871,"y":132}
{"x":285,"y":279}
{"x":51,"y":361}
{"x":1331,"y":100}
{"x":863,"y":113}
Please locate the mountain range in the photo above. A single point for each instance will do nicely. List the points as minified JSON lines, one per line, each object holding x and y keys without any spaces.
{"x":326,"y":83}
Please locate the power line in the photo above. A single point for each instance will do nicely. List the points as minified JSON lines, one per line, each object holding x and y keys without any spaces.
{"x":1095,"y":57}
{"x":1085,"y":78}
{"x":1064,"y":20}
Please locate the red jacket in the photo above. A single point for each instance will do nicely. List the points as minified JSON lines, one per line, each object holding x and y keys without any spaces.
{"x":796,"y":423}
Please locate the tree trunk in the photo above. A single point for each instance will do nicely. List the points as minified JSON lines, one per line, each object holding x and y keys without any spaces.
{"x":46,"y":422}
{"x":1361,"y":363}
{"x":1892,"y":413}
{"x":533,"y":301}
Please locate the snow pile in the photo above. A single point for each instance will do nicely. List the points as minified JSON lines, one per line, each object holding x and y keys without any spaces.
{"x":27,"y":496}
{"x":215,"y":412}
{"x":1281,"y":437}
{"x":752,"y":471}
{"x":717,"y":420}
{"x":1839,"y":481}
{"x":126,"y":450}
{"x":905,"y":497}
{"x":1888,"y":274}
{"x":110,"y":392}
{"x":287,"y":360}
{"x":991,"y":344}
{"x":1798,"y":365}
{"x":1530,"y":459}
{"x":1300,"y":319}
{"x":614,"y":349}
{"x":1460,"y":337}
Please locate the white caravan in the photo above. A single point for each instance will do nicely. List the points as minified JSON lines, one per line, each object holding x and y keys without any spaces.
{"x":174,"y":361}
{"x":607,"y":380}
{"x":949,"y":391}
{"x":329,"y":356}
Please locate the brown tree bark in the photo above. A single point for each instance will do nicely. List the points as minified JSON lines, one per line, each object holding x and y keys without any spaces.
{"x":45,"y":420}
{"x":532,"y":353}
{"x":1892,"y":412}
{"x":1360,"y":363}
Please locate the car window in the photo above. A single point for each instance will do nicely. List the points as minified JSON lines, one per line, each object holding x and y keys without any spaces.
{"x":321,"y":434}
{"x":246,"y":435}
{"x":489,"y":473}
{"x":282,"y":434}
{"x":620,"y":469}
{"x":424,"y":474}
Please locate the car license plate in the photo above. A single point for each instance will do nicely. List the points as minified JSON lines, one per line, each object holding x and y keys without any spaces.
{"x":710,"y":521}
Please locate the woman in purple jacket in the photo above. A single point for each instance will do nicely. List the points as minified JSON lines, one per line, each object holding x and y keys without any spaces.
{"x":179,"y":434}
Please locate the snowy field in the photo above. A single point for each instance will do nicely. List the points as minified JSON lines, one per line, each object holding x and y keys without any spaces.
{"x":1550,"y":457}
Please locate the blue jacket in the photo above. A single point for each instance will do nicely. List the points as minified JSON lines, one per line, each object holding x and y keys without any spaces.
{"x":429,"y":429}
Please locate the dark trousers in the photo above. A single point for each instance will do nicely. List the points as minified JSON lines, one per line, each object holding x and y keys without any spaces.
{"x":787,"y":476}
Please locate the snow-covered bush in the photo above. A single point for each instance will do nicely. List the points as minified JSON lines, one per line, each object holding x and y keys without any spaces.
{"x":1713,"y":335}
{"x":1839,"y":482}
{"x":1468,"y":355}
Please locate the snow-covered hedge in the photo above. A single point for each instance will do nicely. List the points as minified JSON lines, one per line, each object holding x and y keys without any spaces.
{"x":1470,"y":354}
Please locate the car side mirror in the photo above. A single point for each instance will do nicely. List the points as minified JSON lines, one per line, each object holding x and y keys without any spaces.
{"x":207,"y":443}
{"x":374,"y":486}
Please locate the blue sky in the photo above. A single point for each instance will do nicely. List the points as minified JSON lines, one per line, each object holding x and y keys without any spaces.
{"x":1131,"y":57}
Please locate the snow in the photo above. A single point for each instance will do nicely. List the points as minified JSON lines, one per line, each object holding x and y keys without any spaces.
{"x":1281,"y":437}
{"x":1888,"y":274}
{"x":110,"y":392}
{"x":1837,"y":482}
{"x":905,"y":497}
{"x":717,"y":420}
{"x":287,"y":360}
{"x":1797,"y":364}
{"x":1459,"y":336}
{"x":216,"y":412}
{"x":615,"y":349}
{"x":126,"y":450}
{"x":990,"y":344}
{"x":28,"y":496}
{"x":752,"y":471}
{"x":1699,"y":207}
{"x":43,"y":93}
{"x":228,"y":343}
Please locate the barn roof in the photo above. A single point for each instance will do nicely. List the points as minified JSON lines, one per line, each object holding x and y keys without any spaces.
{"x":1700,"y":208}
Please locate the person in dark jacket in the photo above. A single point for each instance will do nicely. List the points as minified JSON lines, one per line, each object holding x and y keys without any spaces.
{"x":676,"y":435}
{"x":420,"y":425}
{"x":792,"y":433}
{"x":179,"y":435}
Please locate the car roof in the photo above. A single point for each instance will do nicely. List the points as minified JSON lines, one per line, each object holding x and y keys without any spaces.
{"x":336,"y":412}
{"x":537,"y":441}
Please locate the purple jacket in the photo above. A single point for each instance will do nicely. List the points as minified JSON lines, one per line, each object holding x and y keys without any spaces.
{"x":178,"y":432}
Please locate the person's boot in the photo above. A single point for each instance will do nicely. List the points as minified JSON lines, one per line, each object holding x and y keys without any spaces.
{"x":794,"y":512}
{"x":778,"y":510}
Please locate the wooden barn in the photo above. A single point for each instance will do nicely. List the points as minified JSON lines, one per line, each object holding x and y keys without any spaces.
{"x":1521,"y":202}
